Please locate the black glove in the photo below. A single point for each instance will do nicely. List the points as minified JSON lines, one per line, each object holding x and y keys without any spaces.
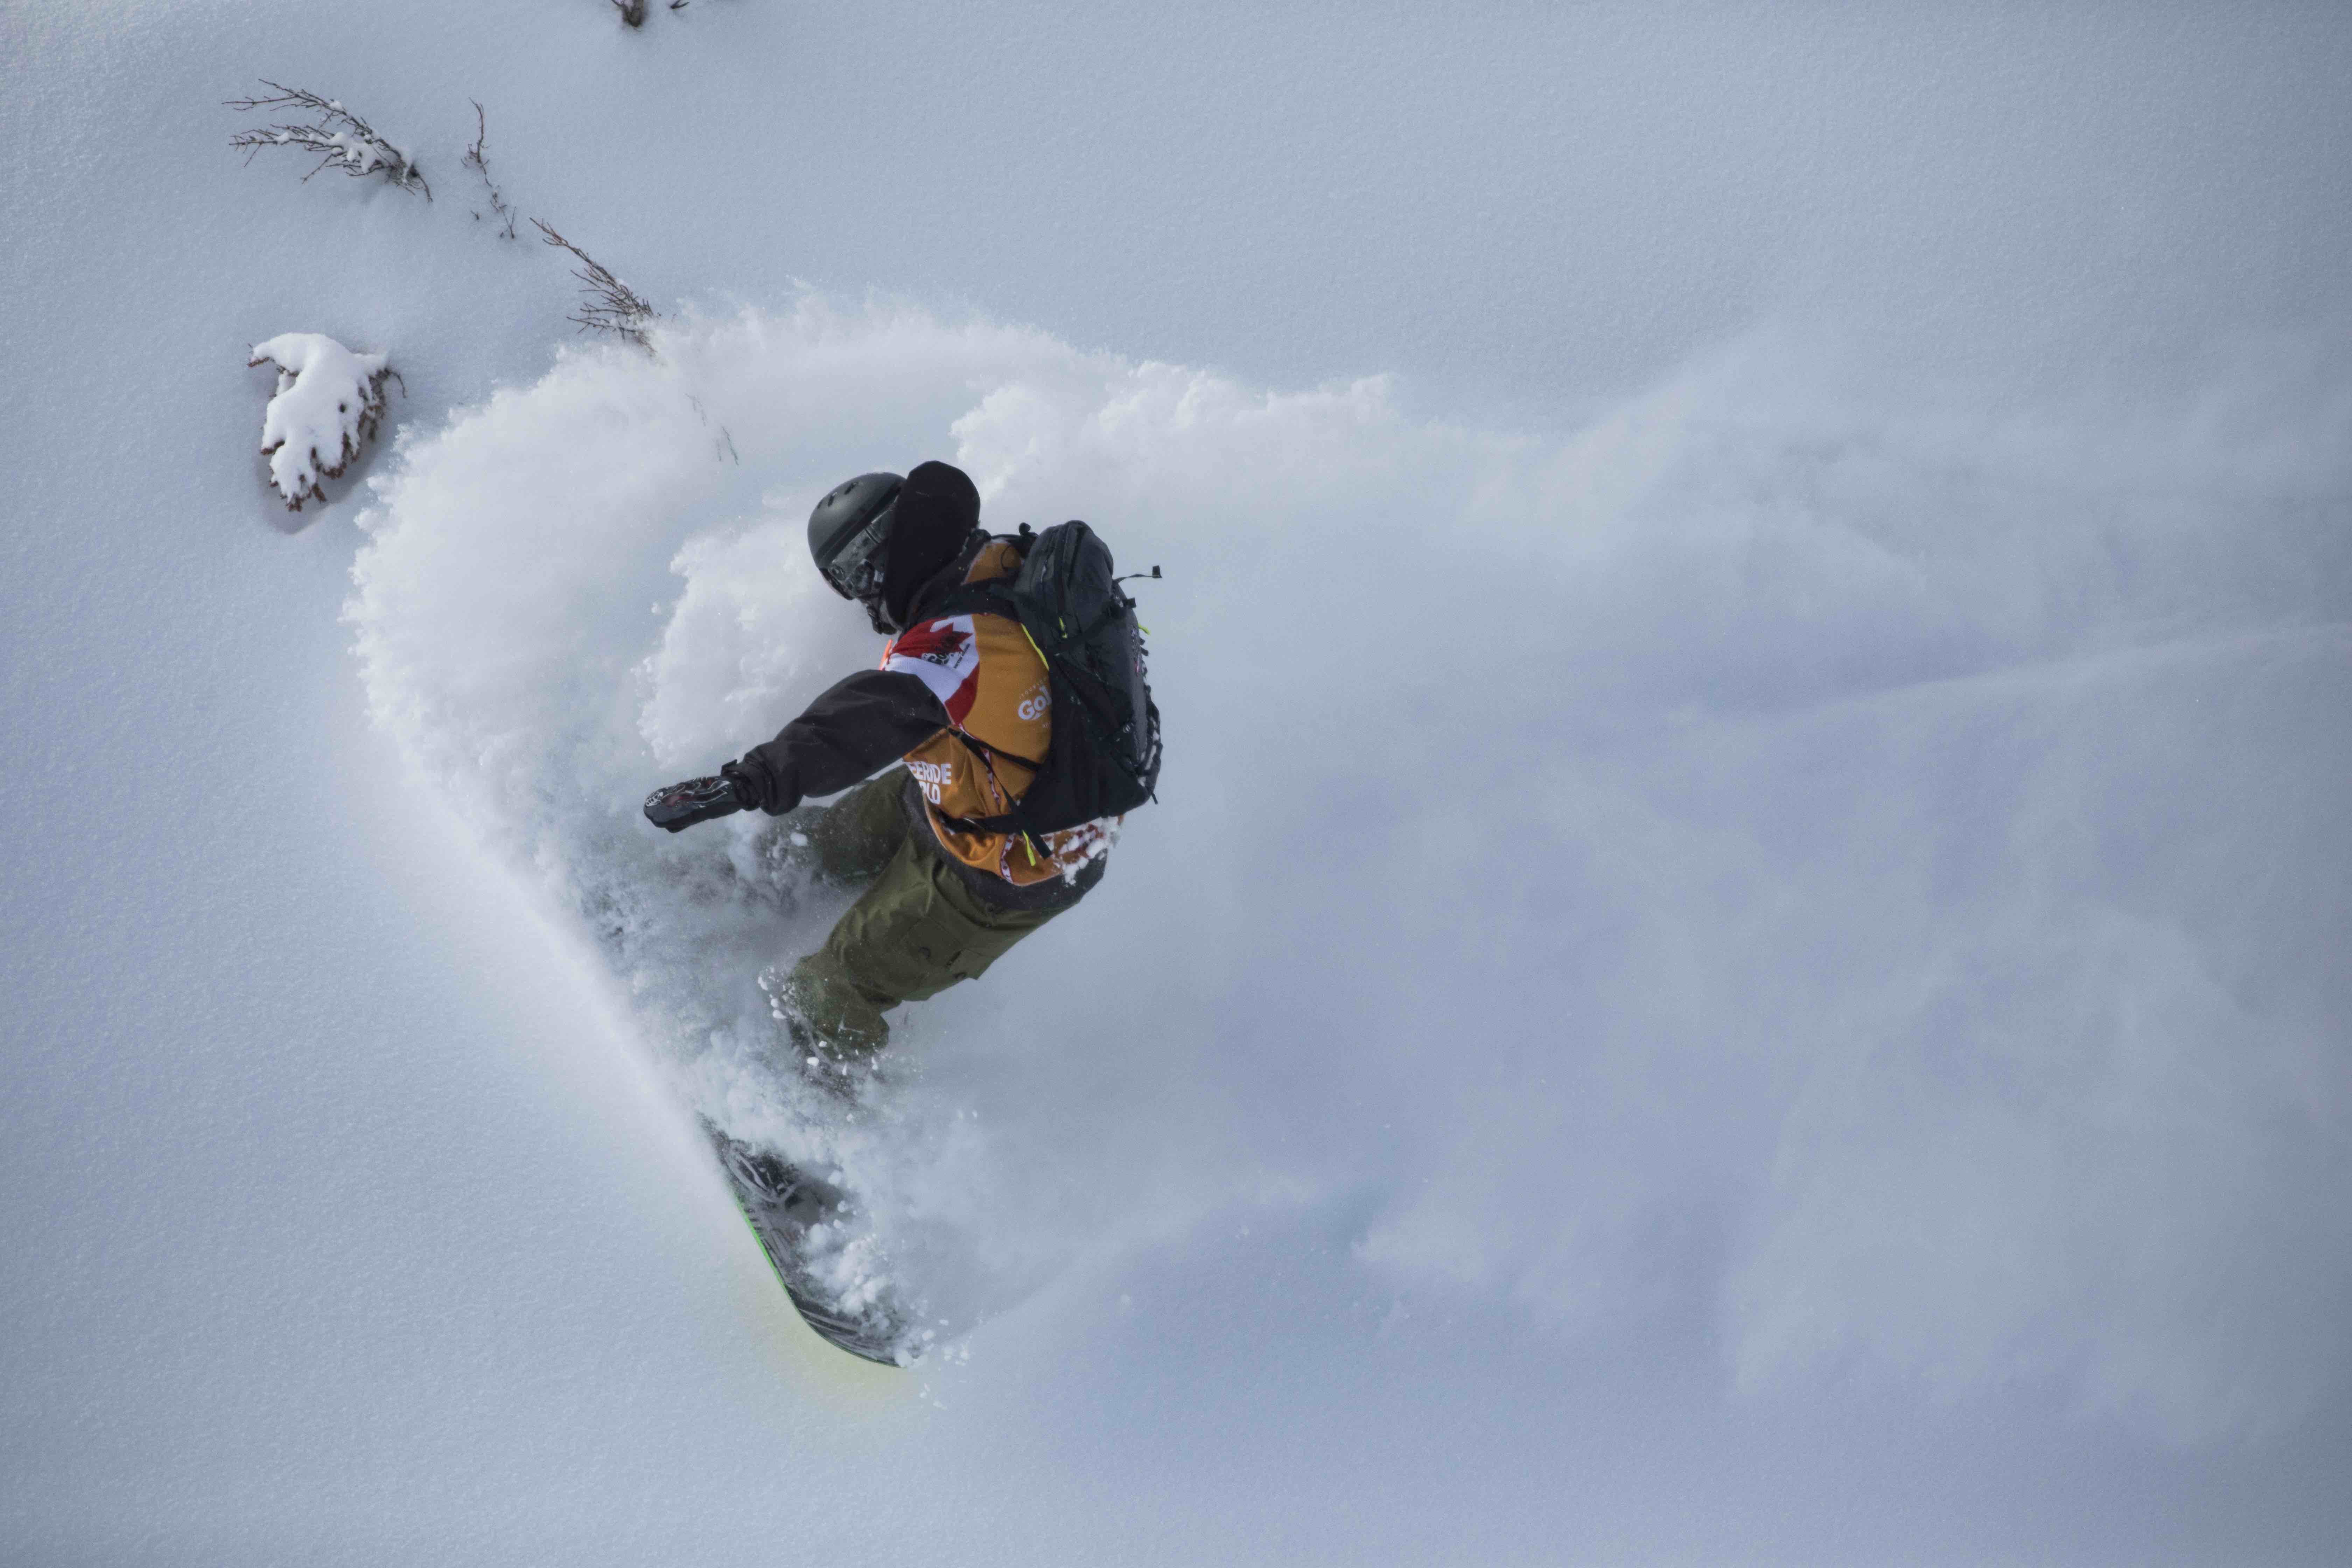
{"x":681,"y":805}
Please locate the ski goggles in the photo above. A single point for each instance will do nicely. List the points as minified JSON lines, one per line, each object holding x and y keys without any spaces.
{"x":856,"y":570}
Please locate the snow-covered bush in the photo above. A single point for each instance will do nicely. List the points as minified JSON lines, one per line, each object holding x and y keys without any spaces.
{"x":329,"y":129}
{"x":327,"y":406}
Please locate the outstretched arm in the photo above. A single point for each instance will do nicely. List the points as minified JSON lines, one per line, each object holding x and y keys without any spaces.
{"x":846,"y":734}
{"x":860,"y":723}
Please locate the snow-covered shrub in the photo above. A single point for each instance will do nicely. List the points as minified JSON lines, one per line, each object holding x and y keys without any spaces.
{"x":327,"y":406}
{"x":330,"y":128}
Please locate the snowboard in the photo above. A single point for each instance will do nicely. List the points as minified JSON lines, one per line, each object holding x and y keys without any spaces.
{"x":783,"y":1204}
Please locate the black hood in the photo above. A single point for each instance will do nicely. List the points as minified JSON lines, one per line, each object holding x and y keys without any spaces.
{"x":937,"y":512}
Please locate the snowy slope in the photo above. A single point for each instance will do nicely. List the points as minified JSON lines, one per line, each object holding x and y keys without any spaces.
{"x":1738,"y":956}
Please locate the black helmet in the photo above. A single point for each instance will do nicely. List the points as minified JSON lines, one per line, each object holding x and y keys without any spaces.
{"x":878,"y":538}
{"x":849,"y":535}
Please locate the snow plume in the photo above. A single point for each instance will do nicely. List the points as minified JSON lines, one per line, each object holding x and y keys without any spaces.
{"x":1799,"y":857}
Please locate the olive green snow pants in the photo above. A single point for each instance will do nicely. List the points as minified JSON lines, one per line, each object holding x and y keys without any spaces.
{"x":916,"y":930}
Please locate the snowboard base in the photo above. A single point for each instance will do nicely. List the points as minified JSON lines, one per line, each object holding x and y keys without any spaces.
{"x":782,"y":1203}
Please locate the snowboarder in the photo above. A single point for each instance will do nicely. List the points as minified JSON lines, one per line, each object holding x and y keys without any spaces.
{"x":952,"y":878}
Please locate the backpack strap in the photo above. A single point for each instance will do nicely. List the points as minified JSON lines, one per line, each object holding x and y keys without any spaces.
{"x":1011,"y":821}
{"x":993,"y":597}
{"x":989,"y":754}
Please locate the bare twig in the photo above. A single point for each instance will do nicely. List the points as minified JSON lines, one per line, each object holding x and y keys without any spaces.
{"x":477,"y":160}
{"x":611,"y":306}
{"x":633,"y":12}
{"x":343,"y":137}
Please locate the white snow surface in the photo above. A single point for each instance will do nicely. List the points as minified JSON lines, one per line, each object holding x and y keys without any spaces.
{"x":326,"y":406}
{"x":1739,"y":958}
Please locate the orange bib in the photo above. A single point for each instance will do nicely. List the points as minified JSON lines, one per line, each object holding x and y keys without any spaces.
{"x":988,"y":675}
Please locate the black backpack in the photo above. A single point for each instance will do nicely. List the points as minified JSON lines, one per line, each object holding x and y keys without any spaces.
{"x":1103,"y":758}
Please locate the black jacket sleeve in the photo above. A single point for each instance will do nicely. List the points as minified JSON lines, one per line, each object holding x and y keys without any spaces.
{"x":846,"y":736}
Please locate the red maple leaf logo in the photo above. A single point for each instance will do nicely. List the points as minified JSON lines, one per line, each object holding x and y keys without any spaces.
{"x":939,"y":642}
